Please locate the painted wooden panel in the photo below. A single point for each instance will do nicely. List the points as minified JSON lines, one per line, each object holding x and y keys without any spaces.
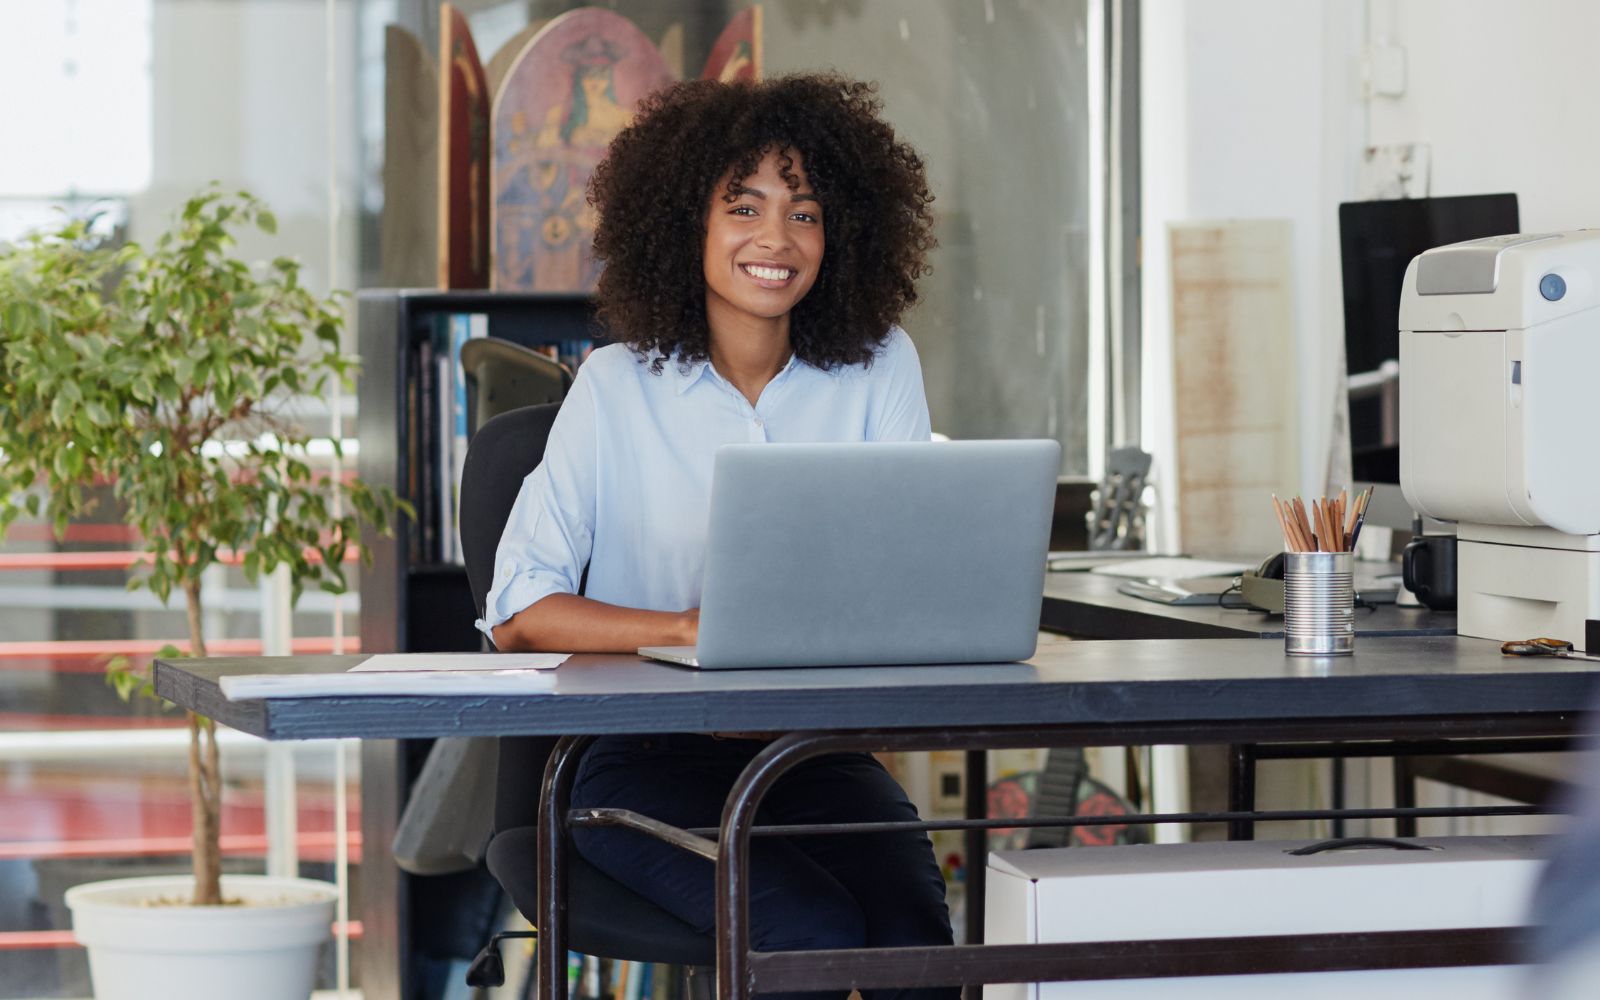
{"x":736,"y":55}
{"x":573,"y":88}
{"x":1234,"y":382}
{"x":671,"y":48}
{"x":463,"y":156}
{"x":500,"y":63}
{"x":409,"y":229}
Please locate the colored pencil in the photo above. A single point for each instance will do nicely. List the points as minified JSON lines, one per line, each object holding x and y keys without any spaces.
{"x":1333,"y":524}
{"x":1283,"y":525}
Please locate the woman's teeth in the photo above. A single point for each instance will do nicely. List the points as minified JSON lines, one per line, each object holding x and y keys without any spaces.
{"x":768,"y":273}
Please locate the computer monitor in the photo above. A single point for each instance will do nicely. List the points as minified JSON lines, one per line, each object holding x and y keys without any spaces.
{"x":1377,"y":242}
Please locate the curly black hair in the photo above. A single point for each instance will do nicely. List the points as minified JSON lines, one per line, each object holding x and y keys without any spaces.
{"x":653,"y":189}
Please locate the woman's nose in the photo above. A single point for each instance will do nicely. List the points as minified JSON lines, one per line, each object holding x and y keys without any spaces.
{"x":774,"y":231}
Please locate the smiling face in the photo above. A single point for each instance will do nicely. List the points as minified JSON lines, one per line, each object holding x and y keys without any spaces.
{"x":763,"y":248}
{"x":594,"y":85}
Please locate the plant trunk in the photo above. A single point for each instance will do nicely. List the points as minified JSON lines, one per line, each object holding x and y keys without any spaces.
{"x":205,"y":778}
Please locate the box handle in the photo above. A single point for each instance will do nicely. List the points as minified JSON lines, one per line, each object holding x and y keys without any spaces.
{"x":1349,"y":843}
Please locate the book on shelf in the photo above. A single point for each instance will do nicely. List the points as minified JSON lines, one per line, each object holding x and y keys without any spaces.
{"x":589,"y":982}
{"x":436,"y":408}
{"x":568,"y":353}
{"x":413,"y":456}
{"x":425,"y":430}
{"x":591,"y":978}
{"x":453,"y":333}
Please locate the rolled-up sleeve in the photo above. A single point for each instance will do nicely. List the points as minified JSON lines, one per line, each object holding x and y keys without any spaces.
{"x":900,"y":408}
{"x":550,"y":533}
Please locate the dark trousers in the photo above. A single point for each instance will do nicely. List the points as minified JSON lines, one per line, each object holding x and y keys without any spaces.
{"x":825,"y":891}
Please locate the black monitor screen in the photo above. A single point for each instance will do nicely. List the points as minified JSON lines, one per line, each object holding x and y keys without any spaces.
{"x":1377,"y":241}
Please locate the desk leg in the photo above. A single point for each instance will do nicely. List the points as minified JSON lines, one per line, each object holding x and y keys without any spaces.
{"x":977,"y":851}
{"x":733,"y":853}
{"x":555,"y":800}
{"x":1241,"y":789}
{"x":1336,"y":795}
{"x":1405,"y":795}
{"x":977,"y":841}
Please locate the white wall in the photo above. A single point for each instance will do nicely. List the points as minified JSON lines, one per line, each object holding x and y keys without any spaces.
{"x":1256,"y":109}
{"x":1251,"y":111}
{"x":1505,"y":93}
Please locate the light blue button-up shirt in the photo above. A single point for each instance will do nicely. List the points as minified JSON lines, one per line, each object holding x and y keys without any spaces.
{"x":625,"y":485}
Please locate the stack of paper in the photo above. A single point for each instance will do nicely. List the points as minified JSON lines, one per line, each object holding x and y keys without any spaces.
{"x":1172,"y":568}
{"x":410,"y":674}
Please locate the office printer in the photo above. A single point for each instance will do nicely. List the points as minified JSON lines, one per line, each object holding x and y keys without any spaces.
{"x":1500,"y":425}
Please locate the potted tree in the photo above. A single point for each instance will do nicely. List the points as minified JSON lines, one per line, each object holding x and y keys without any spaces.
{"x":171,"y":373}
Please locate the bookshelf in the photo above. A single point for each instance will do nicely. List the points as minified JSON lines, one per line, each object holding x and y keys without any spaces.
{"x":411,"y":601}
{"x":391,"y":328}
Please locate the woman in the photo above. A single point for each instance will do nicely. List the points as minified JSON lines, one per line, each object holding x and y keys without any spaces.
{"x":760,"y":242}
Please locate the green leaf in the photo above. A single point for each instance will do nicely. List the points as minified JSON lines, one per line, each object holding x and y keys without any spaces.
{"x":124,"y":387}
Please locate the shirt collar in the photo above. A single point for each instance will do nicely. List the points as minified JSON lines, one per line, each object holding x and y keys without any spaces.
{"x":689,"y":376}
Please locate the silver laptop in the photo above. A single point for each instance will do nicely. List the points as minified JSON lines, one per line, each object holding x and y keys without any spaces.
{"x":879,"y":553}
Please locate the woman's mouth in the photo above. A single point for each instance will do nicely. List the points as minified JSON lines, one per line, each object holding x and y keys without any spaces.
{"x":769,"y":276}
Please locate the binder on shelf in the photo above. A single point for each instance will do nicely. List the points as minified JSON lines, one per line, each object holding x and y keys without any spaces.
{"x":442,"y":433}
{"x":427,"y":428}
{"x":429,"y":388}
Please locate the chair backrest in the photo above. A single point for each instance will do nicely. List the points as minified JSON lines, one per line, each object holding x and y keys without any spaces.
{"x":502,"y":376}
{"x":1117,"y":520}
{"x":501,"y":454}
{"x":450,"y":817}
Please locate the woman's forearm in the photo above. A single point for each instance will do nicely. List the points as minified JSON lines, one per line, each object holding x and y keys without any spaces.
{"x":567,"y":623}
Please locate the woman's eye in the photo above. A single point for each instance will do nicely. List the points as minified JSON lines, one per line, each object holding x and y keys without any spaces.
{"x":743,"y":210}
{"x":804,"y":217}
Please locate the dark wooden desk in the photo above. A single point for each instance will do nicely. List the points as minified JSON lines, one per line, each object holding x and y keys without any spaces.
{"x":1088,"y":605}
{"x":1222,"y":684}
{"x":1094,"y":694}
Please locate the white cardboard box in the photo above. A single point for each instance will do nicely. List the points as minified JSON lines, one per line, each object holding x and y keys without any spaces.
{"x":1249,"y":888}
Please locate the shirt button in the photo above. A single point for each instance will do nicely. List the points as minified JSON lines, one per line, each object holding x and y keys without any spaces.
{"x":759,"y":422}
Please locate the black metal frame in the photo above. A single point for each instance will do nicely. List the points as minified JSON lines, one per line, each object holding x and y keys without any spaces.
{"x":741,"y":972}
{"x":1242,"y":760}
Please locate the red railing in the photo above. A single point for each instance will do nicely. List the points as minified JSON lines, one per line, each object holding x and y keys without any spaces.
{"x":31,"y":940}
{"x":89,"y":656}
{"x":26,"y":655}
{"x":317,"y":846}
{"x":119,"y":559}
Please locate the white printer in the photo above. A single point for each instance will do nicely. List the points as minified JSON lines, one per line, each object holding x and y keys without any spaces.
{"x":1500,"y":425}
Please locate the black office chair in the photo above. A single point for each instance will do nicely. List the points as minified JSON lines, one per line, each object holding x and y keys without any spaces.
{"x":502,"y":376}
{"x":449,"y":816}
{"x":1117,"y":520}
{"x":448,"y":820}
{"x":604,"y":917}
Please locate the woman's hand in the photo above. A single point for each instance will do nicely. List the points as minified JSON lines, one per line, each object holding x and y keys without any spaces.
{"x":688,"y":628}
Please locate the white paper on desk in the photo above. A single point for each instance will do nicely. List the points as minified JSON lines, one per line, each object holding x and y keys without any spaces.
{"x":1172,"y":568}
{"x":453,"y":662}
{"x":1076,"y":561}
{"x":410,"y":682}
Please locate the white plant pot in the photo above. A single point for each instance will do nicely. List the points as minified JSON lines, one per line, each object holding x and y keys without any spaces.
{"x":265,"y":949}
